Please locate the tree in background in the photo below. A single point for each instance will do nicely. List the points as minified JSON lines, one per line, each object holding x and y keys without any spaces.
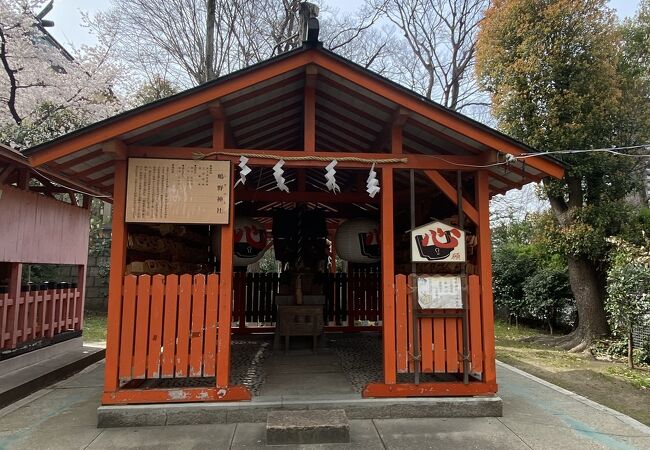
{"x":628,"y":290}
{"x":530,"y":282}
{"x":438,"y":47}
{"x":44,"y":90}
{"x":553,"y":70}
{"x":191,"y":41}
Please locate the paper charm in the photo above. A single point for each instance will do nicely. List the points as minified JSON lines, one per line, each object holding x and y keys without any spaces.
{"x":330,"y":174}
{"x":277,"y":173}
{"x":372,"y":183}
{"x":244,"y":170}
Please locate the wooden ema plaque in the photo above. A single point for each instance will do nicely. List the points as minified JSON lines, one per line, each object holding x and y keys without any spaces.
{"x":178,"y":191}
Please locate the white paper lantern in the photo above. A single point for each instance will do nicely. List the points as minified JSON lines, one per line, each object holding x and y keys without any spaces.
{"x":357,"y":241}
{"x":250,"y":241}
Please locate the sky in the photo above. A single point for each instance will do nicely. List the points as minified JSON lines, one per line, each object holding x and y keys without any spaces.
{"x":69,"y":32}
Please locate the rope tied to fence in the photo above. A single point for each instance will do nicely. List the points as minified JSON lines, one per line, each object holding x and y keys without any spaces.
{"x":200,"y":155}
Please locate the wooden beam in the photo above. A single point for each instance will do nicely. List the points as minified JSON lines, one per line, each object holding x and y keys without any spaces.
{"x":168,"y":108}
{"x":397,"y":121}
{"x":443,"y":117}
{"x":440,"y":389}
{"x":8,"y":170}
{"x":485,"y":270}
{"x":166,"y":127}
{"x":187,"y":394}
{"x":23,"y":179}
{"x":116,"y":277}
{"x":298,"y":197}
{"x":309,"y":144}
{"x":218,"y":111}
{"x":225,"y":291}
{"x":116,"y":148}
{"x":423,"y":162}
{"x":452,"y":194}
{"x":388,"y":276}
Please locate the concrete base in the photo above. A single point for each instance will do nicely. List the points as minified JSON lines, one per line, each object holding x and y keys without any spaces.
{"x":257,"y":411}
{"x":29,"y":372}
{"x":307,"y":427}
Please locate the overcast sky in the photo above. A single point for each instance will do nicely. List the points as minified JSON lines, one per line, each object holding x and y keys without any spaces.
{"x":67,"y":18}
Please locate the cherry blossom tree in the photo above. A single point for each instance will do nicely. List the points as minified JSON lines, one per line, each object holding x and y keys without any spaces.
{"x":46,"y":91}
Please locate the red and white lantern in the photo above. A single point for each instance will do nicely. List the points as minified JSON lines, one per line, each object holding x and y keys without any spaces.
{"x":250,"y":241}
{"x":357,"y":241}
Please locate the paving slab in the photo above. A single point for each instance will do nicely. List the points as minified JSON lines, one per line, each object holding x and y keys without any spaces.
{"x":172,"y":437}
{"x":535,"y":415}
{"x":363,"y":435}
{"x":458,"y":433}
{"x":307,"y":427}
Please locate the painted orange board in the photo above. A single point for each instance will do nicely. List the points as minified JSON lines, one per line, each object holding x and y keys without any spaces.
{"x":155,"y":326}
{"x":439,"y":350}
{"x":426,"y":336}
{"x":401,"y":327}
{"x":441,"y":389}
{"x":451,"y":345}
{"x":128,"y":324}
{"x":211,"y":320}
{"x":196,"y":338}
{"x":183,"y":336}
{"x":182,"y":395}
{"x":475,"y":328}
{"x":169,"y":327}
{"x":141,"y":327}
{"x":178,"y":191}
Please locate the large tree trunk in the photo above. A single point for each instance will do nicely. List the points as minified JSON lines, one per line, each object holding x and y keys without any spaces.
{"x":592,"y":322}
{"x":586,"y":284}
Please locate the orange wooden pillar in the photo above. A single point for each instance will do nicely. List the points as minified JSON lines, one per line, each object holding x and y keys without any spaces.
{"x":485,"y":268}
{"x":225,"y":294}
{"x":117,"y":262}
{"x":388,"y":275}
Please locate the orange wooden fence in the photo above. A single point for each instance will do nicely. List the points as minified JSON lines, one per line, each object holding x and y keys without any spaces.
{"x":38,"y":315}
{"x":169,"y":327}
{"x":440,"y":339}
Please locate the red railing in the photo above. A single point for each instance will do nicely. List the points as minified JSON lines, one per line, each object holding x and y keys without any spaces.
{"x":38,"y":315}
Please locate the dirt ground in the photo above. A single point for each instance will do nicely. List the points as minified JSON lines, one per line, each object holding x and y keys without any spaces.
{"x":610,"y":383}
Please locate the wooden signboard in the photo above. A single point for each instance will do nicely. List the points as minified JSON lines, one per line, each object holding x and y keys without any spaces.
{"x":178,"y":191}
{"x":439,"y":292}
{"x":438,"y":242}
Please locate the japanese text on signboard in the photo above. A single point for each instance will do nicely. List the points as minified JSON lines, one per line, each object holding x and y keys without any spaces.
{"x":178,"y":191}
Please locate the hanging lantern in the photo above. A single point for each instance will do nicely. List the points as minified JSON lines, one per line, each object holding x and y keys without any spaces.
{"x":250,"y":241}
{"x":357,"y":241}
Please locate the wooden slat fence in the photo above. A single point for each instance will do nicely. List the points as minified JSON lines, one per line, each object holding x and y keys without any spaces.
{"x":169,"y":327}
{"x":350,"y":298}
{"x":39,"y":314}
{"x":441,"y":342}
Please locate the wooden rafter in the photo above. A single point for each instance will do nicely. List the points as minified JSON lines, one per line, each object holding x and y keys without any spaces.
{"x":451,"y":121}
{"x":452,"y":194}
{"x":398,"y":119}
{"x":309,"y":121}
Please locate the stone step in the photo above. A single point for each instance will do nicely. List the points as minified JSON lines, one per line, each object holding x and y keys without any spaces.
{"x":307,"y":427}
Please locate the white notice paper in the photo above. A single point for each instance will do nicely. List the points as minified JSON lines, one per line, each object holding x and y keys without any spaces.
{"x":440,"y":292}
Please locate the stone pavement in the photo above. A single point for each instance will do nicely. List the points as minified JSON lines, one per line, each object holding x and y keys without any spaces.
{"x":536,"y":415}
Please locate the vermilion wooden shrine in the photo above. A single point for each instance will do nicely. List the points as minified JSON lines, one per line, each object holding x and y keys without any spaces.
{"x":307,"y":107}
{"x":41,"y":223}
